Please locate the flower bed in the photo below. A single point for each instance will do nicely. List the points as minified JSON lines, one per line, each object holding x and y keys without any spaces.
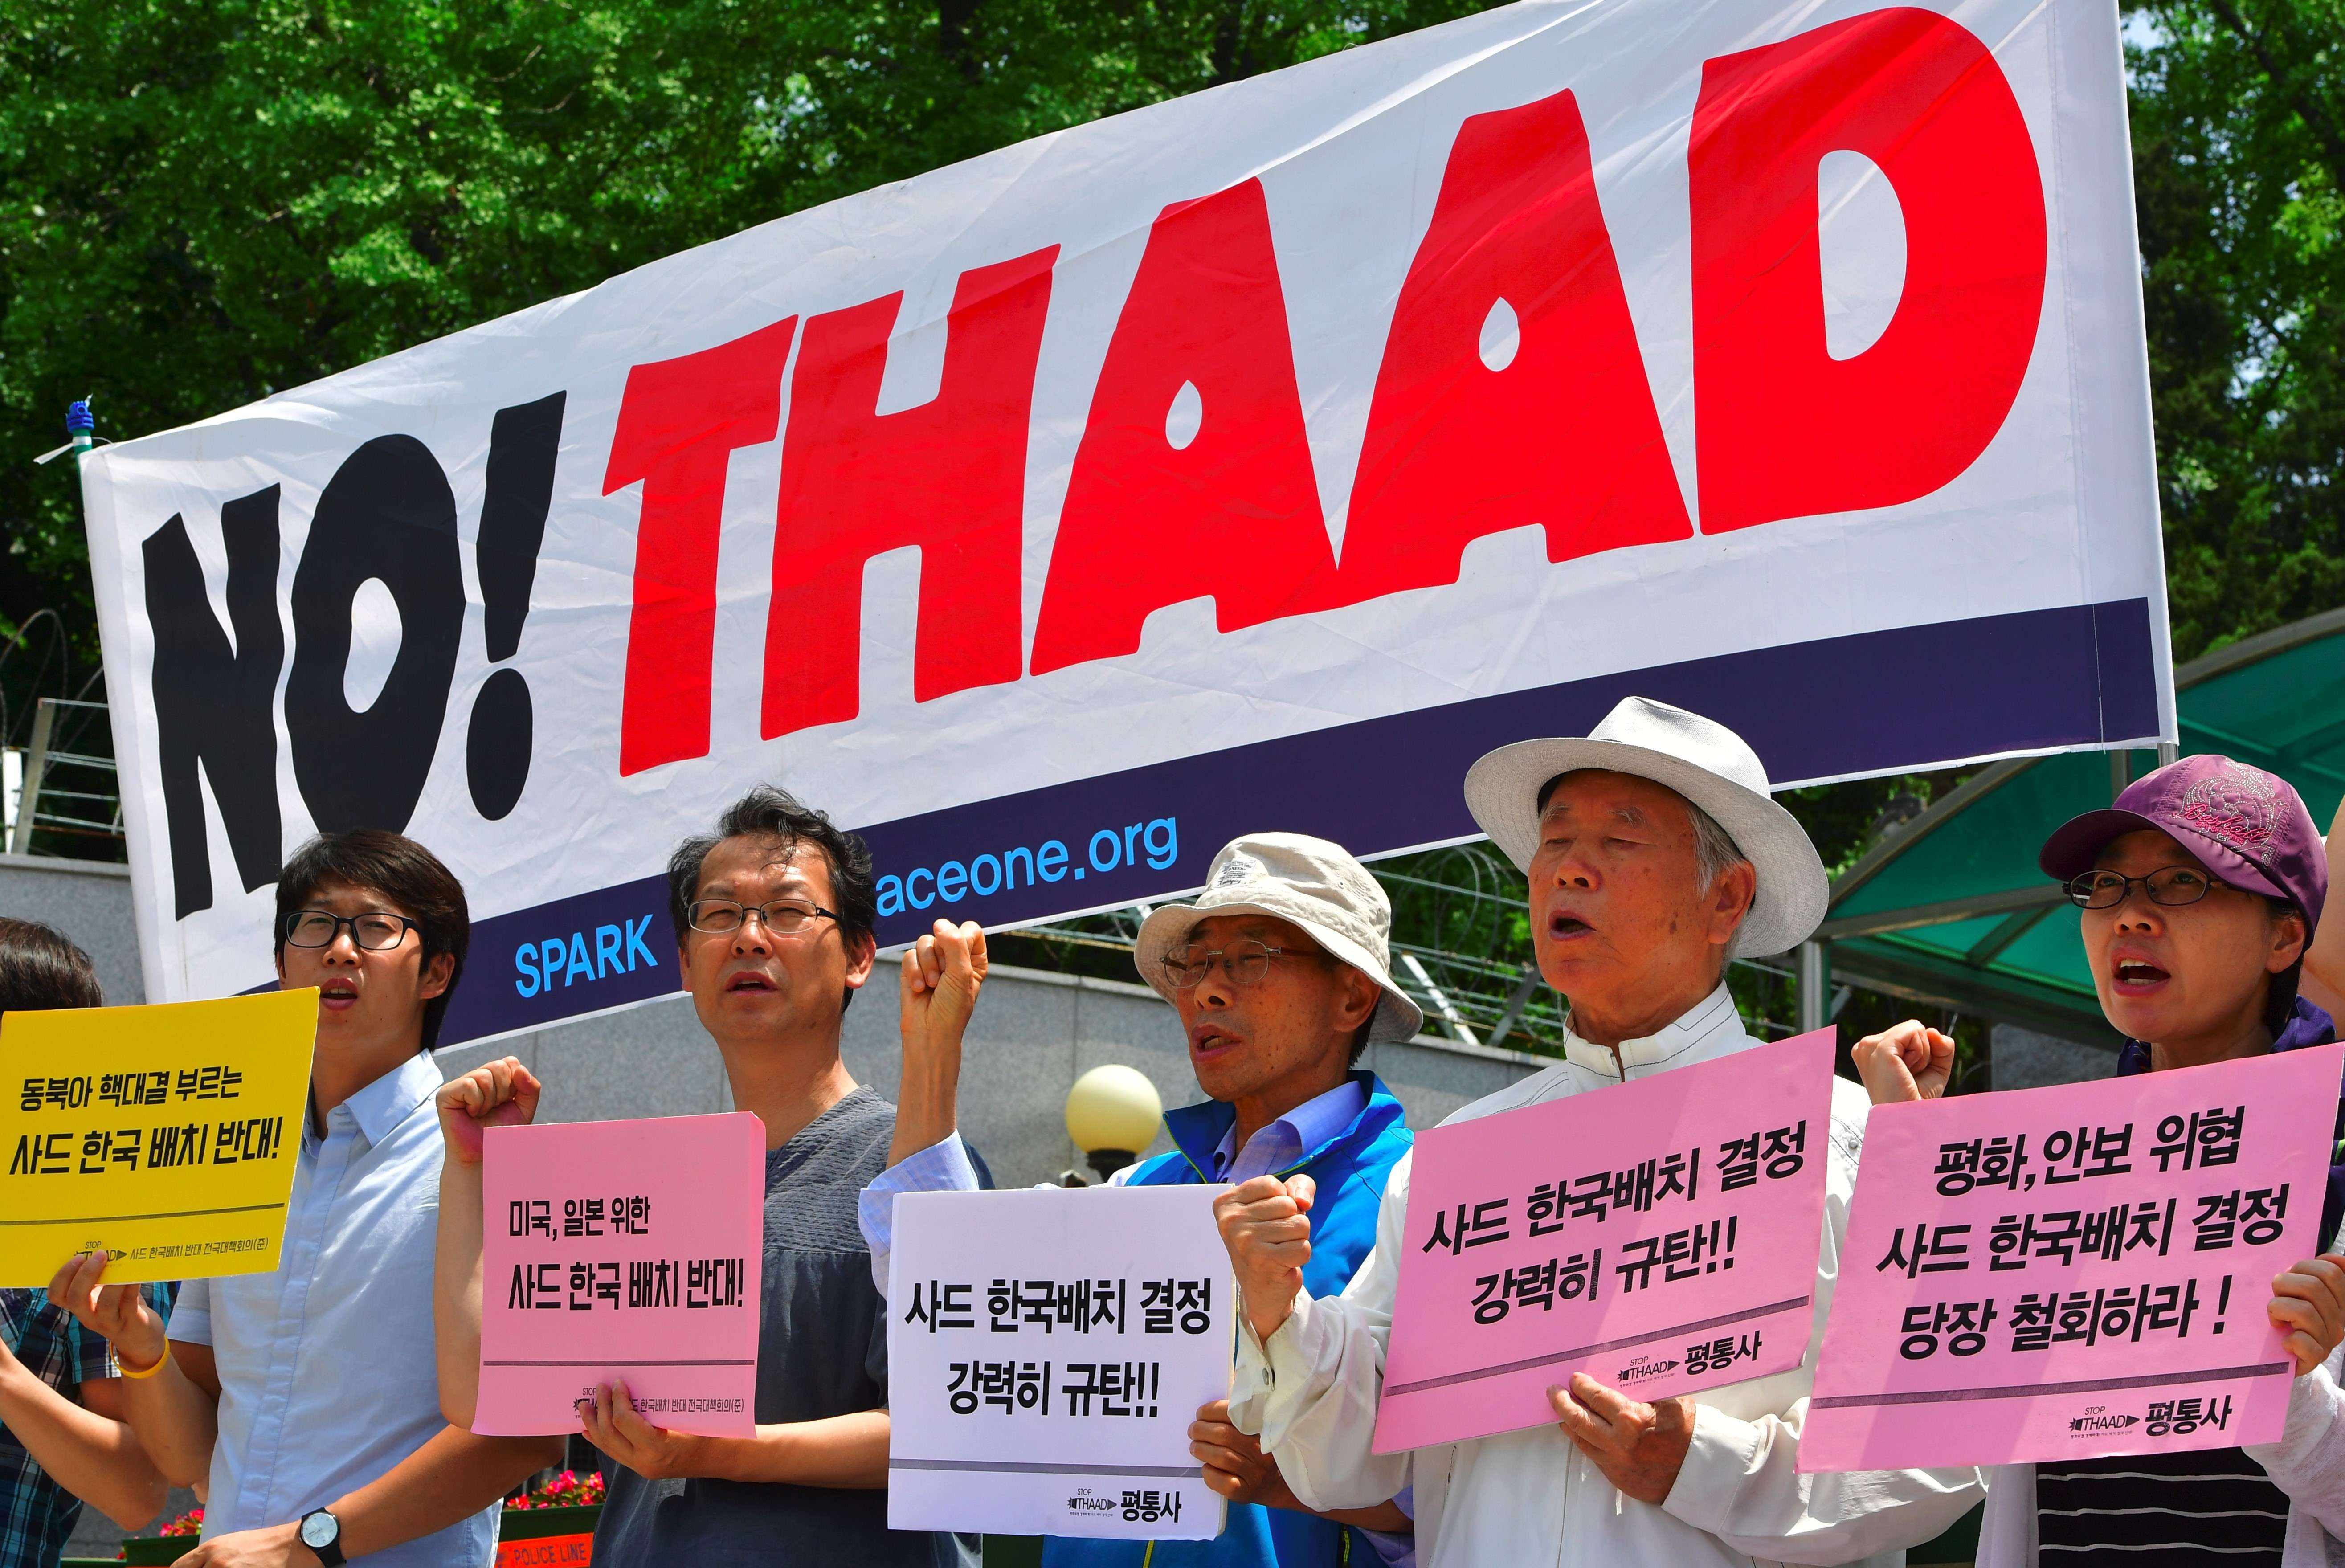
{"x":550,"y":1526}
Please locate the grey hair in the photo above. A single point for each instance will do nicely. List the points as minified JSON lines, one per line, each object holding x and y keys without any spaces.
{"x":1713,"y":847}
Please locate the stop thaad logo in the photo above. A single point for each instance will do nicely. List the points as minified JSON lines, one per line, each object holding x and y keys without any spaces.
{"x":2092,"y":1425}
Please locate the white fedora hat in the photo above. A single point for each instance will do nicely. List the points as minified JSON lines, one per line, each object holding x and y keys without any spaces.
{"x":1701,"y":759}
{"x":1309,"y":882}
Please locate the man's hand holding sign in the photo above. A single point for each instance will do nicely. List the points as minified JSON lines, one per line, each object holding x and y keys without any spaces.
{"x":604,"y":1241}
{"x":1584,"y":1260}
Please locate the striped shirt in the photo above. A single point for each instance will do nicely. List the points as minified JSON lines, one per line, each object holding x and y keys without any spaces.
{"x":2194,"y":1509}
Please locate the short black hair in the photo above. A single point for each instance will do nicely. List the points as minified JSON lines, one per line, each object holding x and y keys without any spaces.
{"x":40,"y":968}
{"x":768,"y":811}
{"x":402,"y":871}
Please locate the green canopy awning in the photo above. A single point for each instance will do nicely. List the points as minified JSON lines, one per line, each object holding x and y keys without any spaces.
{"x":1950,"y":907}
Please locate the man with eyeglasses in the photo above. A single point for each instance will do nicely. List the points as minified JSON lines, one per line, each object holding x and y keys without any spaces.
{"x":1654,"y":853}
{"x":773,"y":914}
{"x":1280,"y":974}
{"x":2200,"y":887}
{"x":308,"y":1397}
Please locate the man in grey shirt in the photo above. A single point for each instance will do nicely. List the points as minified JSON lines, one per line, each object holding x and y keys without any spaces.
{"x":773,"y":917}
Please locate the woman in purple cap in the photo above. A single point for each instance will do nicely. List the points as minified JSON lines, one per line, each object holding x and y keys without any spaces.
{"x":2201,"y":887}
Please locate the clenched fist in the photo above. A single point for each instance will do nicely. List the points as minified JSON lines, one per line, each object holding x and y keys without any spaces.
{"x":1267,"y":1225}
{"x":501,"y":1093}
{"x":1907,"y":1061}
{"x":942,"y":974}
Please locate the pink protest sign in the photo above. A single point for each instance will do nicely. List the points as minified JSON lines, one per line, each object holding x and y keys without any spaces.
{"x":626,"y":1250}
{"x":2068,"y":1272}
{"x":1660,"y":1235}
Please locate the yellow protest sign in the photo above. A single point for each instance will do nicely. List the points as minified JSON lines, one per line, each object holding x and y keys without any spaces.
{"x":164,"y":1134}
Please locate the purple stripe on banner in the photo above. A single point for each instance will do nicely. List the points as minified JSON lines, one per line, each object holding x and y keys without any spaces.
{"x":600,"y":949}
{"x":1911,"y":697}
{"x":1884,"y":700}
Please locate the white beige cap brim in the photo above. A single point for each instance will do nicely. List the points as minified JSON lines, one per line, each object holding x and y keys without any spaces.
{"x":1307,"y":881}
{"x":1702,"y":761}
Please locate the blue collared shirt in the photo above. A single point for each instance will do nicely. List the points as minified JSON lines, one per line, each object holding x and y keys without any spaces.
{"x":327,"y":1373}
{"x":1285,"y":1141}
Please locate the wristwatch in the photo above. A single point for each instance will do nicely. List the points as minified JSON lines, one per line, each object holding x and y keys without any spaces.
{"x":323,"y":1533}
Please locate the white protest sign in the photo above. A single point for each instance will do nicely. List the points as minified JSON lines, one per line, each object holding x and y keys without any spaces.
{"x":1781,"y":360}
{"x":1047,"y":1350}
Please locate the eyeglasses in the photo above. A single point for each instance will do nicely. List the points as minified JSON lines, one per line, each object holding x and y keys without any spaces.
{"x":1247,"y":962}
{"x":374,"y":933}
{"x":782,"y":917}
{"x":2169,"y":885}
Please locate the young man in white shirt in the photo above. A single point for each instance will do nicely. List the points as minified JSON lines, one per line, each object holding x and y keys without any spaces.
{"x":1654,"y":854}
{"x":310,"y":1397}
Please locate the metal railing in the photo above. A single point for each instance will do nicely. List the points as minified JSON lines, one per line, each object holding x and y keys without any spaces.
{"x":68,"y":793}
{"x":1489,"y":993}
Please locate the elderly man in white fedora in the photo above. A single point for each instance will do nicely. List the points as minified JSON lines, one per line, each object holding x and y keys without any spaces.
{"x":1281,"y":975}
{"x":1654,"y":855}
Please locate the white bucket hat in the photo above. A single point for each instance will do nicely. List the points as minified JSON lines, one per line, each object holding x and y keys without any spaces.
{"x":1701,"y":759}
{"x":1313,"y":884}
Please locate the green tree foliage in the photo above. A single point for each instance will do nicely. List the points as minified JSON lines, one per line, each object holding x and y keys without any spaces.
{"x":204,"y":201}
{"x":2239,"y":163}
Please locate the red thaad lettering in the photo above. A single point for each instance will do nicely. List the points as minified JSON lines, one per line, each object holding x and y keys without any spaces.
{"x":949,"y":476}
{"x":679,"y":422}
{"x":1783,"y":429}
{"x":1555,"y":426}
{"x":1193,"y":476}
{"x":1512,"y":393}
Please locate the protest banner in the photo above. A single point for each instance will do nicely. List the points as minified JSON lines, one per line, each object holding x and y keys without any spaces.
{"x":1782,"y":361}
{"x":2066,"y":1272}
{"x":164,"y":1134}
{"x":626,"y":1250}
{"x":1047,"y":1350}
{"x":1658,"y":1235}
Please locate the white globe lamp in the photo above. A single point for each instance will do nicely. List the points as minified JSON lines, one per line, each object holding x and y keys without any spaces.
{"x":1112,"y":1113}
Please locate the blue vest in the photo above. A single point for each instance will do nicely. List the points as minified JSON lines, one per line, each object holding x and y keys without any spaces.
{"x":1350,"y":1169}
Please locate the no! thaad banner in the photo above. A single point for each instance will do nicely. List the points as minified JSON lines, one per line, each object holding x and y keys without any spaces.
{"x":1312,"y":434}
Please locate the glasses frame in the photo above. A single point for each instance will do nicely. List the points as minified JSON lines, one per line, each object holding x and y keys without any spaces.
{"x":817,"y":911}
{"x":1164,"y":964}
{"x":2079,"y":896}
{"x":351,"y":922}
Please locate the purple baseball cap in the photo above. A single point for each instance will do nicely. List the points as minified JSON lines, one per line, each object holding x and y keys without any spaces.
{"x":2247,"y":826}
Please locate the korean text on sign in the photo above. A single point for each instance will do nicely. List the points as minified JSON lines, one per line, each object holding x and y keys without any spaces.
{"x":1047,"y":1350}
{"x":628,"y":1250}
{"x":2065,"y":1272}
{"x":1659,"y":1235}
{"x":165,"y":1135}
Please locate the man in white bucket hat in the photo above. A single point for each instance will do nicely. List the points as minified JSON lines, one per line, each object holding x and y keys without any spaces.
{"x":1654,"y":854}
{"x":1280,"y":974}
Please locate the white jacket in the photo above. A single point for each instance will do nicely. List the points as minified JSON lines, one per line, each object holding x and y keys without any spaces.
{"x":1530,"y":1498}
{"x":2308,"y":1464}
